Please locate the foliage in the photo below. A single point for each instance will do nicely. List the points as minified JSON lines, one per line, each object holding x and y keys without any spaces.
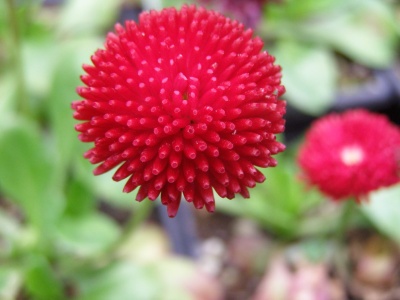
{"x":281,"y":204}
{"x":55,"y":242}
{"x":306,"y":36}
{"x":383,"y":209}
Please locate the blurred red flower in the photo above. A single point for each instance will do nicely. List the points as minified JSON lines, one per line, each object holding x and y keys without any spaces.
{"x":351,"y":154}
{"x":184,"y":102}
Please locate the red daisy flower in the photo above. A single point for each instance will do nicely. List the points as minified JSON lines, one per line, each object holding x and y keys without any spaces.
{"x":351,"y":154}
{"x":184,"y":102}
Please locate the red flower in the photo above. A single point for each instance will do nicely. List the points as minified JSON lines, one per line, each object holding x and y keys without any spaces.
{"x":351,"y":154}
{"x":184,"y":102}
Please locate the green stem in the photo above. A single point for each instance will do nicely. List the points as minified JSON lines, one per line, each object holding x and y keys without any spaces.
{"x":345,"y":218}
{"x":341,"y":251}
{"x":22,"y":95}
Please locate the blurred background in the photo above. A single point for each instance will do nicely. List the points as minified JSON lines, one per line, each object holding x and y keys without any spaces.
{"x":66,"y":234}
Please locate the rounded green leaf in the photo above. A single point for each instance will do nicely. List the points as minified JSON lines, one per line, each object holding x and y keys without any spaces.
{"x":86,"y":235}
{"x":27,"y":173}
{"x":41,"y":280}
{"x":10,"y":282}
{"x":309,"y":75}
{"x":65,"y":80}
{"x":383,"y":210}
{"x":366,"y":33}
{"x":122,"y":280}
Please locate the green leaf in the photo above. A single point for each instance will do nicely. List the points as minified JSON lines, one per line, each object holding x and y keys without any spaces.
{"x":38,"y":58}
{"x":122,"y":280}
{"x":87,"y":17}
{"x":279,"y":204}
{"x":8,"y":87}
{"x":87,"y":235}
{"x":10,"y":282}
{"x":383,"y":210}
{"x":9,"y":229}
{"x":309,"y":75}
{"x":365,"y":33}
{"x":155,"y":4}
{"x":80,"y":200}
{"x":3,"y":18}
{"x":145,"y":271}
{"x":298,"y":10}
{"x":41,"y":281}
{"x":163,"y":279}
{"x":72,"y":54}
{"x":27,"y":173}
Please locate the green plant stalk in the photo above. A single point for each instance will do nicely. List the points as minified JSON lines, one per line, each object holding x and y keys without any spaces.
{"x":341,"y":250}
{"x":345,"y":219}
{"x":16,"y":50}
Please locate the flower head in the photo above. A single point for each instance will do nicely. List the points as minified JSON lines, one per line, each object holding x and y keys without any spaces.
{"x":185,"y":102}
{"x":351,"y":154}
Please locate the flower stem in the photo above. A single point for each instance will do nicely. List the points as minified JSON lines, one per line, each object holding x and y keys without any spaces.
{"x":22,"y":96}
{"x":345,"y":218}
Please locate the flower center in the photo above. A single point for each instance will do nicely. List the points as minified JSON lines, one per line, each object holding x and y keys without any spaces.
{"x":352,"y":155}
